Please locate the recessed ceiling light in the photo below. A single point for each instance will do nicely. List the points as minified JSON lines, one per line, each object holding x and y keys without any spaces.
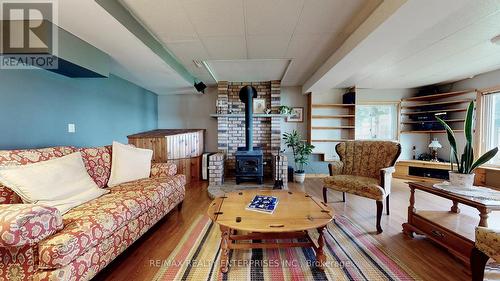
{"x":496,"y":40}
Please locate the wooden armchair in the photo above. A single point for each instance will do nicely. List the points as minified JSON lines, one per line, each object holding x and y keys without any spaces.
{"x":365,"y":169}
{"x":487,"y":246}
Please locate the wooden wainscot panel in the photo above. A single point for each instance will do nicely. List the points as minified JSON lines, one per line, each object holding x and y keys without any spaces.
{"x":183,"y":147}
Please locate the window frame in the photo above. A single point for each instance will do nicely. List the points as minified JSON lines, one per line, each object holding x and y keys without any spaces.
{"x":397,"y":124}
{"x":479,"y":142}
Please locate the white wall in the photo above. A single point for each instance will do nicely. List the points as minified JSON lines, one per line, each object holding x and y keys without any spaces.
{"x":382,"y":95}
{"x":485,"y":80}
{"x":190,"y":111}
{"x":293,"y":97}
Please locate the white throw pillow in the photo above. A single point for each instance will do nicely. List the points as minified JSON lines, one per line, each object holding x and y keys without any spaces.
{"x":129,"y":164}
{"x":63,"y":182}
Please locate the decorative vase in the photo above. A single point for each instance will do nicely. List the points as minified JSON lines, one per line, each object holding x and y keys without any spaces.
{"x":462,"y":180}
{"x":299,"y":177}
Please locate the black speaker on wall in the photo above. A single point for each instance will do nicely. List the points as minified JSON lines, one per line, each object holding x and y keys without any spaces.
{"x":200,"y":87}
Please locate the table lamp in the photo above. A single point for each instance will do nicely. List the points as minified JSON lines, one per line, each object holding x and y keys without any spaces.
{"x":434,"y":146}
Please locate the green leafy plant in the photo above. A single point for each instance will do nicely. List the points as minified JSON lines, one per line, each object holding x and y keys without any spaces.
{"x":300,"y":148}
{"x":285,"y":109}
{"x":466,"y":164}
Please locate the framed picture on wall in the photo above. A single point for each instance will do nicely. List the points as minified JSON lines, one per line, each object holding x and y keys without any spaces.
{"x":259,"y":106}
{"x":297,"y":115}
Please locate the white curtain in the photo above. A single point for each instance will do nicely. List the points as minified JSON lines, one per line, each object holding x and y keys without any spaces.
{"x":489,"y":139}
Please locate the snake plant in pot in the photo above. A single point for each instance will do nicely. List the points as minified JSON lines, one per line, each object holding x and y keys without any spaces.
{"x":463,"y":176}
{"x":301,"y":152}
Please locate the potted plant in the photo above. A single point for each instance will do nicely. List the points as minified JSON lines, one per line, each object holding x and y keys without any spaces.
{"x":463,"y":176}
{"x":301,"y":152}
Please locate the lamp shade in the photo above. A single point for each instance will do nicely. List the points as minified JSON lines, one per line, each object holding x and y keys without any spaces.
{"x":435,"y":144}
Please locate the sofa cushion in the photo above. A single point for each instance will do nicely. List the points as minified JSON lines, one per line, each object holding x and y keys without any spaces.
{"x":89,"y":224}
{"x":98,"y":163}
{"x":129,"y":164}
{"x":62,"y":182}
{"x":23,"y":157}
{"x":362,"y":186}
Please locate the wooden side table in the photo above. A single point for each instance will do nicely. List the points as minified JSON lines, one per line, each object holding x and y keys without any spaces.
{"x":457,"y":244}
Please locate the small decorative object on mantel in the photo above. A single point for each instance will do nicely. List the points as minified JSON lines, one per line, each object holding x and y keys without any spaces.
{"x":259,"y":106}
{"x":301,"y":152}
{"x":296,"y":116}
{"x":268,"y":111}
{"x":434,"y":146}
{"x":463,"y":177}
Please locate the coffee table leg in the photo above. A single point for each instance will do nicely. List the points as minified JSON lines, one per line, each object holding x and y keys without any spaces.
{"x":484,"y":214}
{"x":224,"y":259}
{"x":320,"y":255}
{"x":454,"y":208}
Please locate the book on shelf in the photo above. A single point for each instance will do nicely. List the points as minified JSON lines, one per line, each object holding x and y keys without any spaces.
{"x":263,"y":204}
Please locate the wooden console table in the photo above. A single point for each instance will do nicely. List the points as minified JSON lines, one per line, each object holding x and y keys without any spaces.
{"x":457,"y":244}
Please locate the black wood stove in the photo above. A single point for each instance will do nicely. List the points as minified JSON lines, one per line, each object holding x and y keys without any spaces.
{"x":249,"y":159}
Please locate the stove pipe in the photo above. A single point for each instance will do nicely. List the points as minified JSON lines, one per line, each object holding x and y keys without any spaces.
{"x":247,"y":94}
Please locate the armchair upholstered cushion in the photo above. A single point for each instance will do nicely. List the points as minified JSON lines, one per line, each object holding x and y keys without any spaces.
{"x":487,"y":246}
{"x":336,"y":168}
{"x":362,"y":186}
{"x":365,"y":169}
{"x":488,"y":242}
{"x":367,"y":158}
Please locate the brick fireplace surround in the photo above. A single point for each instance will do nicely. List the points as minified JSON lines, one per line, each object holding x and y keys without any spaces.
{"x":231,"y":130}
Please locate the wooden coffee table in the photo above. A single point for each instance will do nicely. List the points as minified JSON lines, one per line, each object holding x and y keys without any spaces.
{"x":295,"y":214}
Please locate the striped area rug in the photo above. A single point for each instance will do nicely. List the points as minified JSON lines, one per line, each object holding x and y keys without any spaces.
{"x":352,"y":254}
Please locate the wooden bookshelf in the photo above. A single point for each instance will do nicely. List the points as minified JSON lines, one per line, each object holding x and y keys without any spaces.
{"x":443,"y":103}
{"x":434,"y":121}
{"x":452,"y":104}
{"x":330,"y":122}
{"x":435,"y":111}
{"x":428,"y":131}
{"x":438,"y":96}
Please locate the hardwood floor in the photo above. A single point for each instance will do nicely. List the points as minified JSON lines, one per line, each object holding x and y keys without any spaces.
{"x":425,"y":258}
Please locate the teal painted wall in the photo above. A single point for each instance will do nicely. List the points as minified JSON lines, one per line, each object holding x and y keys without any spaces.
{"x":37,"y":105}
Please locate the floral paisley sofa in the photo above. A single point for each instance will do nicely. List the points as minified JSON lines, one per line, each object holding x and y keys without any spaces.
{"x":37,"y":243}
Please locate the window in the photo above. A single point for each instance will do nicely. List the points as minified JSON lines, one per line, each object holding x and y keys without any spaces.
{"x":491,"y":124}
{"x":377,"y":122}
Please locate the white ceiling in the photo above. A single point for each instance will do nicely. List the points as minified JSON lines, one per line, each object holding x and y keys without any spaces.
{"x":405,"y":51}
{"x":305,"y":31}
{"x":249,"y":70}
{"x":131,"y":59}
{"x":331,"y":43}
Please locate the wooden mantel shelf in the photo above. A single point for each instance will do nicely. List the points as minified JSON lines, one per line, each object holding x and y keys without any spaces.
{"x":239,"y":115}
